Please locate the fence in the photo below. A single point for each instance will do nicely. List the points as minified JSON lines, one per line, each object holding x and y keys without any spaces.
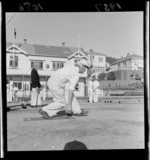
{"x":119,"y":84}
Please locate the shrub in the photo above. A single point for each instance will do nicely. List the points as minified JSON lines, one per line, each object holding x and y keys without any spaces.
{"x":111,"y":76}
{"x":101,"y":76}
{"x":137,"y":77}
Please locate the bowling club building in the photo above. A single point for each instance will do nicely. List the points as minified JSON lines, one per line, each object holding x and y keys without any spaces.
{"x":21,"y":56}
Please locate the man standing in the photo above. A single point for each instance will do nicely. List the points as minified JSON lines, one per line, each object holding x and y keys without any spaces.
{"x":95,"y":90}
{"x":90,"y":90}
{"x":57,"y":85}
{"x":8,"y":90}
{"x":11,"y":91}
{"x":44,"y":93}
{"x":35,"y":86}
{"x":15,"y":93}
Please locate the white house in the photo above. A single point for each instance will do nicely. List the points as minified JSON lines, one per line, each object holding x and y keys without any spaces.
{"x":98,"y":60}
{"x":130,"y":62}
{"x":21,"y":56}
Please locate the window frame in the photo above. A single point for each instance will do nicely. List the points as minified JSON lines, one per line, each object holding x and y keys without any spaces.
{"x":17,"y":82}
{"x":57,"y":65}
{"x":100,"y":59}
{"x":37,"y":61}
{"x":13,"y":61}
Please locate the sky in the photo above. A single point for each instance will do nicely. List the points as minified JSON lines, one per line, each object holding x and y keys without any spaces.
{"x":112,"y":33}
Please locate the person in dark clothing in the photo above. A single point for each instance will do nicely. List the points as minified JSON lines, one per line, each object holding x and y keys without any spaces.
{"x":35,"y":87}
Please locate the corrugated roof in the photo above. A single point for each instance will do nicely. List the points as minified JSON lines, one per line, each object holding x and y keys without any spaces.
{"x":44,"y":50}
{"x":128,"y":57}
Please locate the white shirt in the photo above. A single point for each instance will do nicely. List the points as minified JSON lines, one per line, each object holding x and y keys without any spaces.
{"x":68,"y":75}
{"x":95,"y":84}
{"x":90,"y":85}
{"x":15,"y":89}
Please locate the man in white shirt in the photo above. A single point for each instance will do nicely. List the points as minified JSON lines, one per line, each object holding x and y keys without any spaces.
{"x":10,"y":91}
{"x":15,"y":93}
{"x":95,"y":90}
{"x":44,"y":93}
{"x":57,"y":83}
{"x":90,"y":89}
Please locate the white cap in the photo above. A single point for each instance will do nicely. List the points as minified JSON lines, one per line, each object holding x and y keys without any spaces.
{"x":83,"y":62}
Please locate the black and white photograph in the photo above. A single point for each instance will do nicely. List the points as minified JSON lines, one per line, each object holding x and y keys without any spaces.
{"x":75,"y":80}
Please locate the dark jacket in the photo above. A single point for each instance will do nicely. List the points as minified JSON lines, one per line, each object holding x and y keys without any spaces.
{"x":35,"y":79}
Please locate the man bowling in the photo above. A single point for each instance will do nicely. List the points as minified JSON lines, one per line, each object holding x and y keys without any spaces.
{"x":57,"y":83}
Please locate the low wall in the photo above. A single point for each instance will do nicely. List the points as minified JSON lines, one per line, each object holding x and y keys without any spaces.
{"x":116,"y":84}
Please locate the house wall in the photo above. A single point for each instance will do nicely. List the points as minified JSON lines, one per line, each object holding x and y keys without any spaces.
{"x":23,"y":72}
{"x":99,"y":66}
{"x":130,"y":65}
{"x":114,"y":67}
{"x":21,"y":64}
{"x":137,"y":63}
{"x":46,"y":61}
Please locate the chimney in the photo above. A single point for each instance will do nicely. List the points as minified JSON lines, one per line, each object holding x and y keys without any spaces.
{"x":91,"y":50}
{"x":128,"y":54}
{"x":121,"y":57}
{"x":25,"y":41}
{"x":63,"y":44}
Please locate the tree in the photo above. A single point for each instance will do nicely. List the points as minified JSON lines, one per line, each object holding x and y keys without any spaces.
{"x":101,"y":76}
{"x":111,"y":76}
{"x":137,"y":77}
{"x":90,"y":71}
{"x":111,"y":59}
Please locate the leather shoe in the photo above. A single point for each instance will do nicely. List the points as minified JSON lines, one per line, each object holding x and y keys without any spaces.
{"x":44,"y":114}
{"x":83,"y":113}
{"x":68,"y":113}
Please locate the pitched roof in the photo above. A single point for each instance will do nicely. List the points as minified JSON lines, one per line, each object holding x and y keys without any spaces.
{"x":128,"y":57}
{"x":96,"y":53}
{"x":45,"y":50}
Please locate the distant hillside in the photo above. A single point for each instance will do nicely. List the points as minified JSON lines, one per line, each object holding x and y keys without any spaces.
{"x":111,"y":59}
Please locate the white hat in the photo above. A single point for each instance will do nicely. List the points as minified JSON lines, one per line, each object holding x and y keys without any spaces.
{"x":83,"y":62}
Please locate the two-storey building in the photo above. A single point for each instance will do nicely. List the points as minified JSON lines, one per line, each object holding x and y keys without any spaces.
{"x":98,"y":60}
{"x":130,"y":62}
{"x":21,"y":56}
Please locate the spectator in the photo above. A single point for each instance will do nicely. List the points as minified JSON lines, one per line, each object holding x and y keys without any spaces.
{"x":35,"y":86}
{"x":95,"y":90}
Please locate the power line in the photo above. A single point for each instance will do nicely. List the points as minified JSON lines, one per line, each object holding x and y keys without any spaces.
{"x":10,"y":19}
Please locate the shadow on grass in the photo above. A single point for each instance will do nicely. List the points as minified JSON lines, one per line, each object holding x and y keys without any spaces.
{"x":75,"y":145}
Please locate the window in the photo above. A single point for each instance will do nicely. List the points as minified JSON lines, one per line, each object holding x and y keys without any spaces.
{"x":47,"y":66}
{"x":124,"y":64}
{"x":92,"y":58}
{"x":13,"y":62}
{"x":136,"y":63}
{"x":18,"y":85}
{"x":100,"y":69}
{"x":26,"y":87}
{"x":100,"y":59}
{"x":32,"y":63}
{"x":40,"y":64}
{"x":57,"y":65}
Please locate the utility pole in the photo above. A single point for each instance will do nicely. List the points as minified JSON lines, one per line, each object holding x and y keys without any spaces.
{"x":14,"y":38}
{"x":78,"y":47}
